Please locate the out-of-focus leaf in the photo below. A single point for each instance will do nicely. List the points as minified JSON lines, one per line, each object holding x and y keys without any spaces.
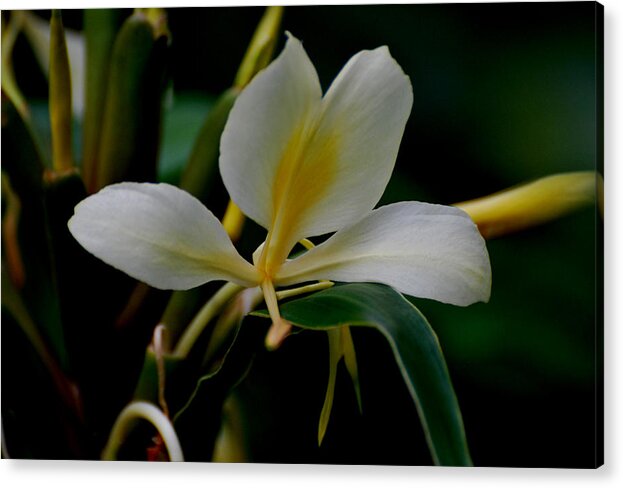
{"x":21,"y":155}
{"x":61,"y":194}
{"x":198,"y":419}
{"x":230,"y":445}
{"x":60,"y":96}
{"x":13,"y":303}
{"x":100,"y":27}
{"x":187,"y":379}
{"x":41,"y":129}
{"x":415,"y":348}
{"x":147,"y":385}
{"x":180,"y":310}
{"x":40,"y":408}
{"x":202,"y":168}
{"x":130,"y":136}
{"x":183,"y":120}
{"x":22,"y":163}
{"x":9,"y":84}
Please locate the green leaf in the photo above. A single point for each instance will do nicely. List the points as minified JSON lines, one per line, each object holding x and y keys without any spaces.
{"x":147,"y":384}
{"x":60,"y":96}
{"x":100,"y":27}
{"x":415,"y":348}
{"x":24,"y":167}
{"x":200,"y":174}
{"x":130,"y":137}
{"x":182,"y":121}
{"x":198,"y":421}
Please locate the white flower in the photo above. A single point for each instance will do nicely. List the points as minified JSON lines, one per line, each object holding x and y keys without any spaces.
{"x":300,"y":165}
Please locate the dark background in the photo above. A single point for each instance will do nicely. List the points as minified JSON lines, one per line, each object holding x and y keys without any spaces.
{"x":503,"y":93}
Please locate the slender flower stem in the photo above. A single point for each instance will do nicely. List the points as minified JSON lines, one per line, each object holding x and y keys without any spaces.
{"x":217,"y":303}
{"x":158,"y":346}
{"x":321,"y":285}
{"x":126,"y":420}
{"x":212,"y":308}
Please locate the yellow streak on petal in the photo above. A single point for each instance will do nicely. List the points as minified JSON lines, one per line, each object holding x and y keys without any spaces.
{"x":306,"y":170}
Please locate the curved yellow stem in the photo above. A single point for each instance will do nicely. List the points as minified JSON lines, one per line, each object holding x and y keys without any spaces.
{"x":126,"y":421}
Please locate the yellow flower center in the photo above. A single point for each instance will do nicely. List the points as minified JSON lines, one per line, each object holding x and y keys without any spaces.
{"x":306,"y":170}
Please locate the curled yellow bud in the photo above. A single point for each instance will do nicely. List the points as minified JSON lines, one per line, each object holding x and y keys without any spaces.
{"x":533,"y":203}
{"x":233,"y":221}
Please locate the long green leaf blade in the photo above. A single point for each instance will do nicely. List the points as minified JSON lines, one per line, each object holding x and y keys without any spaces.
{"x":60,"y":96}
{"x":200,"y":173}
{"x":130,"y":138}
{"x":101,"y":27}
{"x":415,"y":348}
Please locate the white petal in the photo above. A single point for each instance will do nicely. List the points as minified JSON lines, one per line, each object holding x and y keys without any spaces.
{"x":301,"y":166}
{"x":423,"y":250}
{"x":260,"y":126}
{"x":158,"y":234}
{"x":362,"y":121}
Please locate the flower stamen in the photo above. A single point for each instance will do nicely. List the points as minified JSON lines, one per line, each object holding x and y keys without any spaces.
{"x":280,"y":328}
